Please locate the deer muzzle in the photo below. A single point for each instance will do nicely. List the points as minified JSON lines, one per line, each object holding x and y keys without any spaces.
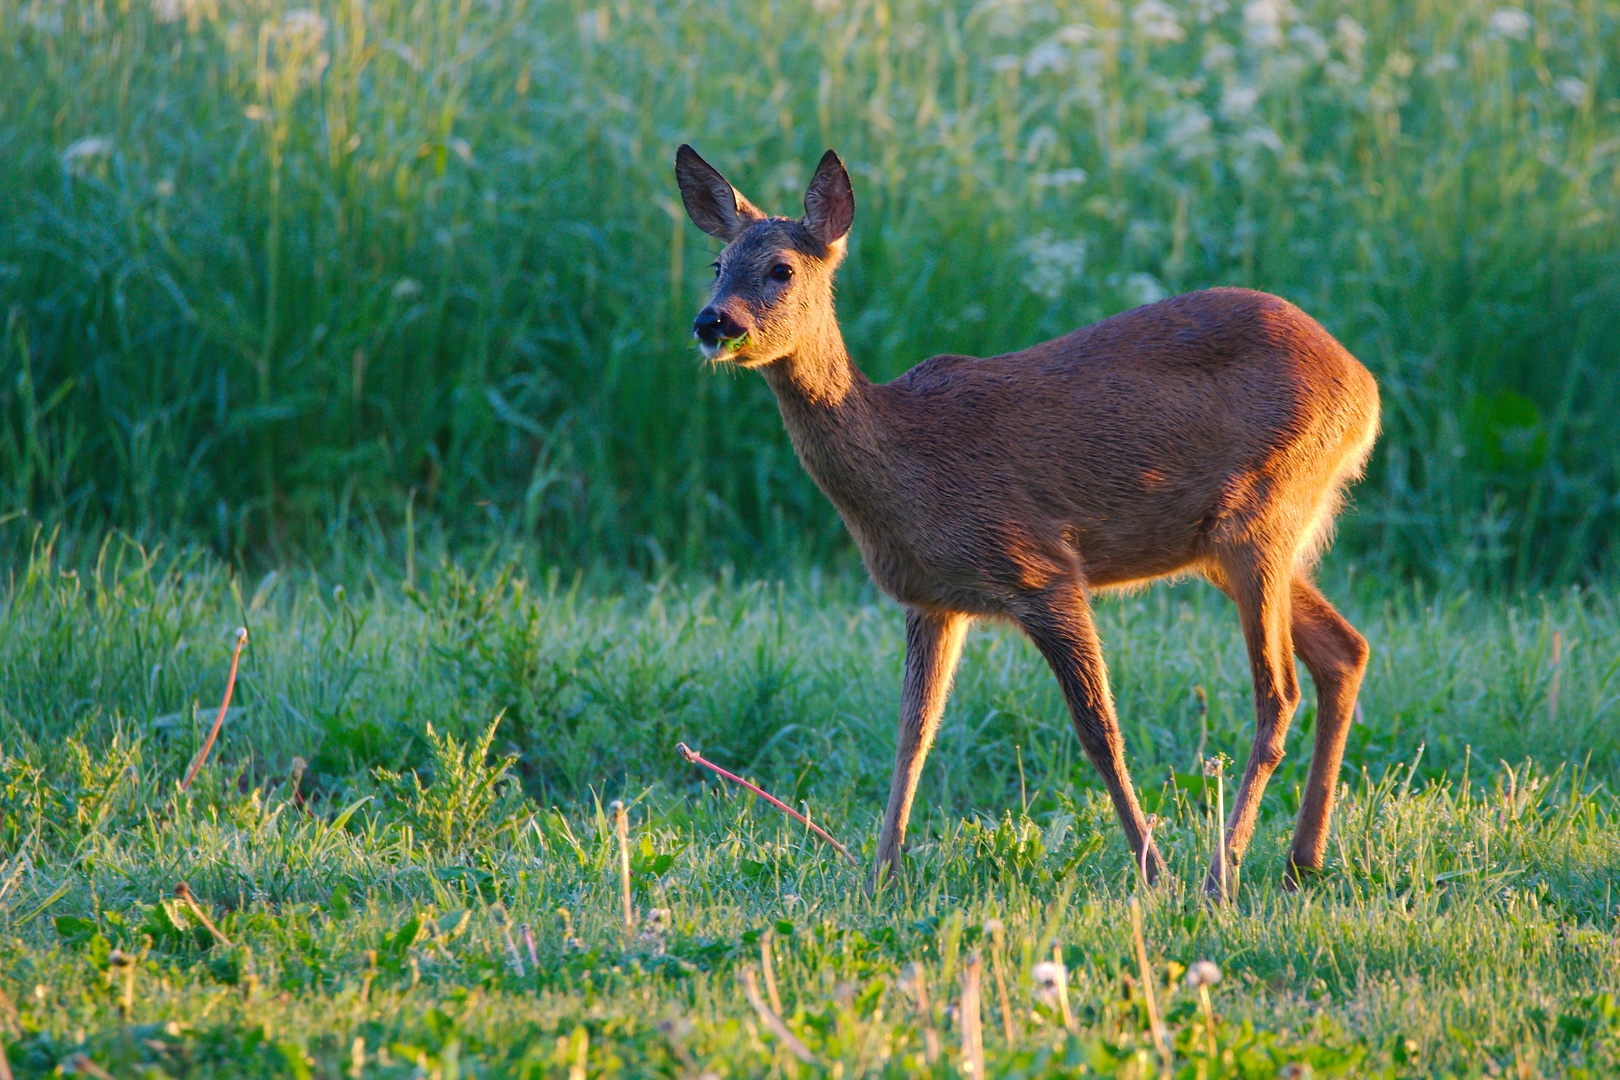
{"x":714,"y":325}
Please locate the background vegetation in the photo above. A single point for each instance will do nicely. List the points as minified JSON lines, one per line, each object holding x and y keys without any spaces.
{"x":275,"y":276}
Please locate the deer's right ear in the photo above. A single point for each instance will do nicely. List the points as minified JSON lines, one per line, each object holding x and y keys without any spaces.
{"x":711,"y":202}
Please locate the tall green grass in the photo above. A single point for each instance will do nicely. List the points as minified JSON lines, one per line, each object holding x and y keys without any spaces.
{"x":271,"y":276}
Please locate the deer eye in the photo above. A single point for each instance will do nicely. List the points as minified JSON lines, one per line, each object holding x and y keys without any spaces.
{"x":716,"y":265}
{"x":781,"y":272}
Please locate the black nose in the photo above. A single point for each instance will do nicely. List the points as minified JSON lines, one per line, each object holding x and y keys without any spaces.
{"x":714,"y":325}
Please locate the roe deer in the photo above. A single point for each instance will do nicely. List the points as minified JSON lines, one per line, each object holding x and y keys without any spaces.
{"x":1210,"y":433}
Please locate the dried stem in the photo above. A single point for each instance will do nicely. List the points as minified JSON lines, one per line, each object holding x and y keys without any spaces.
{"x":1063,"y":992}
{"x":697,"y":759}
{"x":183,"y":891}
{"x":768,"y":967}
{"x":996,"y":940}
{"x":773,"y":1021}
{"x":1557,"y":662}
{"x":621,"y":825}
{"x":1161,"y":1039}
{"x":914,"y":977}
{"x":972,"y":1028}
{"x":219,"y":721}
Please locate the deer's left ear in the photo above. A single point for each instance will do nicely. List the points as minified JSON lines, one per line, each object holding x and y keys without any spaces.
{"x":711,"y":202}
{"x":829,"y":203}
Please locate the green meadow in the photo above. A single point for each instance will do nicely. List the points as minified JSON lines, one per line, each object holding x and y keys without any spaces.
{"x":363,"y":326}
{"x":403,"y":886}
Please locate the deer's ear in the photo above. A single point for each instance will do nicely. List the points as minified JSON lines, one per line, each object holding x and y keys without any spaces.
{"x":829,"y":203}
{"x":711,"y":202}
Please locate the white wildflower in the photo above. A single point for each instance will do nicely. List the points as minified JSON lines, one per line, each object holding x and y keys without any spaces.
{"x":1203,"y":973}
{"x":1157,"y":21}
{"x":407,"y":55}
{"x":1053,"y":264}
{"x":1262,"y":136}
{"x":1142,"y":288}
{"x":1572,"y":90}
{"x":1263,"y":21}
{"x":1073,"y":34}
{"x":405,"y":288}
{"x":1218,"y":55}
{"x":304,"y":26}
{"x":1440,"y":63}
{"x":1309,"y":40}
{"x":1062,"y":178}
{"x":1238,"y":100}
{"x":81,"y":154}
{"x":1047,"y":56}
{"x":1351,"y":37}
{"x":1509,"y":22}
{"x":1187,"y":130}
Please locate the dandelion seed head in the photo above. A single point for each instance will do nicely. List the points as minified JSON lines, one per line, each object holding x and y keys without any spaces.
{"x":1203,"y":973}
{"x":1047,"y":976}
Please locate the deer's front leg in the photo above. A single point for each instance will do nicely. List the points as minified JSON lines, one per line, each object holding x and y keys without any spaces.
{"x":1058,"y":620}
{"x":933,"y":645}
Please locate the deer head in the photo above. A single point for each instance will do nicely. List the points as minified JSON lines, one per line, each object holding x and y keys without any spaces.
{"x":773,"y":280}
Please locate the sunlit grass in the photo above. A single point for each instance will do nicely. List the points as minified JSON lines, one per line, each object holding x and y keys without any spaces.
{"x":1465,"y":924}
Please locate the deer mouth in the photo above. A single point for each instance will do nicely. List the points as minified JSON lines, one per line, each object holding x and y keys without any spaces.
{"x":720,"y":350}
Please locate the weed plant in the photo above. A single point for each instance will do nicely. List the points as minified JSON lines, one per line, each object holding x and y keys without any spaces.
{"x":272,"y":274}
{"x":401,"y":841}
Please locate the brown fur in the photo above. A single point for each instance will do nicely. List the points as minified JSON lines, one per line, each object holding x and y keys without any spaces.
{"x":1211,"y":434}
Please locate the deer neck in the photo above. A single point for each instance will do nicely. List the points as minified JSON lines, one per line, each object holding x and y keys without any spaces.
{"x":830,"y":412}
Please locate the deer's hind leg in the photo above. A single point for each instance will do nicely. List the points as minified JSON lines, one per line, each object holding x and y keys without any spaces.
{"x":933,"y":646}
{"x":1336,"y":657}
{"x":1260,"y":585}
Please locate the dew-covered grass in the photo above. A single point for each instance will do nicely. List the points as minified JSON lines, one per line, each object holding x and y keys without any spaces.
{"x":394,"y":902}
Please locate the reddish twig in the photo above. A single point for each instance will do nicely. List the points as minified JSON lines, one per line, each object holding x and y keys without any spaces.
{"x":697,"y":759}
{"x":219,"y":721}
